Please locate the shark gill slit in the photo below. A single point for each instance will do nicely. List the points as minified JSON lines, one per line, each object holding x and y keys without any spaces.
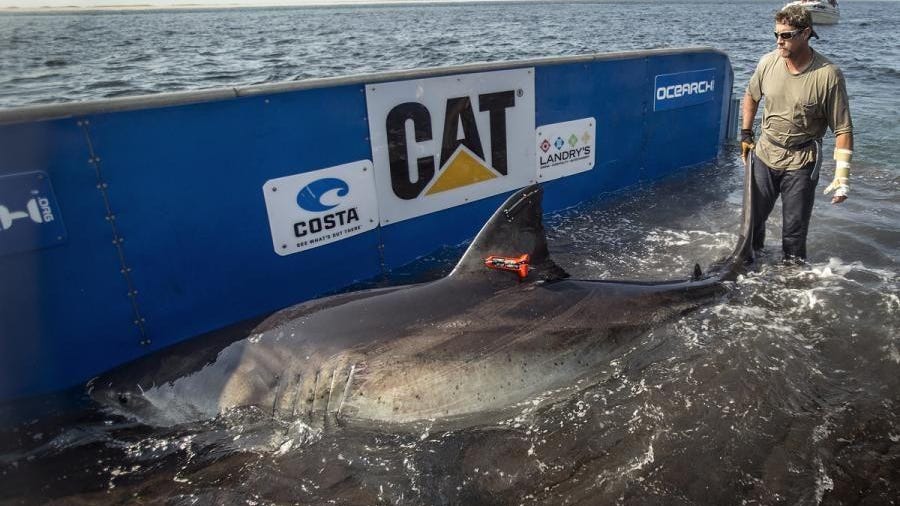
{"x":298,"y":394}
{"x":285,"y":400}
{"x":279,"y":390}
{"x":330,"y":391}
{"x":346,"y":390}
{"x":312,"y":409}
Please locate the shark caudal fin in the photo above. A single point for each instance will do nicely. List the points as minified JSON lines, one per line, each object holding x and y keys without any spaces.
{"x":515,"y":229}
{"x":742,"y":256}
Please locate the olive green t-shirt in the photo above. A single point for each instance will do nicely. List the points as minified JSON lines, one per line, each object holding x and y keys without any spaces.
{"x":798,"y":109}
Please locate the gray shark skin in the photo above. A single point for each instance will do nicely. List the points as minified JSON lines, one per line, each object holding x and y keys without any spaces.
{"x":451,"y":352}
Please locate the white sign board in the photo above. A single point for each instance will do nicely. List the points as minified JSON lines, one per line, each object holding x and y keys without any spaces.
{"x":565,"y":148}
{"x":444,"y":141}
{"x":315,"y":208}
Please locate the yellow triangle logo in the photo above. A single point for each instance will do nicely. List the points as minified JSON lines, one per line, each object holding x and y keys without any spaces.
{"x":462,"y":169}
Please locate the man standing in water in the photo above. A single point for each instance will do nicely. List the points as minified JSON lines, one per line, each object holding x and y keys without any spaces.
{"x":805,"y":94}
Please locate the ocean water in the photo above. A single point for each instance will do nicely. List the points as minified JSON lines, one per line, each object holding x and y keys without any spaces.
{"x":786,"y":391}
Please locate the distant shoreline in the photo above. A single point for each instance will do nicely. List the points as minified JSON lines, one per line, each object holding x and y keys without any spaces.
{"x":312,"y":3}
{"x":226,"y":6}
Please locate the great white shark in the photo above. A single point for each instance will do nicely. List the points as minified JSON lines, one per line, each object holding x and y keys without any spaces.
{"x":447,"y":352}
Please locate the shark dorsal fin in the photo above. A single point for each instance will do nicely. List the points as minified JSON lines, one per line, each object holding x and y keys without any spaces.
{"x":516,"y":228}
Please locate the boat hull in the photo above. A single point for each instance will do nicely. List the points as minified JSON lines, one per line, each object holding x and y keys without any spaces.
{"x":822,"y":13}
{"x":822,"y":17}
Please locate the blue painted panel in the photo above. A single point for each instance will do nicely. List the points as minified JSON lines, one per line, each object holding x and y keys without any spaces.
{"x":187,"y":190}
{"x":612,"y":93}
{"x":411,"y":239}
{"x":184,"y":186}
{"x":619,"y":94}
{"x":687,"y":135}
{"x":61,"y":308}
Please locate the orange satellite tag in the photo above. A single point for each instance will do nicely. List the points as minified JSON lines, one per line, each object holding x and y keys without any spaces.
{"x":518,"y":265}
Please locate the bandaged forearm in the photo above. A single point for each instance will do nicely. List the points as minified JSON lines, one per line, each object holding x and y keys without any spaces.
{"x":841,"y":183}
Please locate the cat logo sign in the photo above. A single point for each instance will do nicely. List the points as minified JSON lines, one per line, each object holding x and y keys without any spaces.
{"x":444,"y":141}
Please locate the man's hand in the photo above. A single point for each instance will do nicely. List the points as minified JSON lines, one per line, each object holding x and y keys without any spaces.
{"x":841,"y":183}
{"x":747,"y":143}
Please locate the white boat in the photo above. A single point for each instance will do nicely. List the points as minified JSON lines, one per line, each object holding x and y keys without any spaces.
{"x":824,"y":12}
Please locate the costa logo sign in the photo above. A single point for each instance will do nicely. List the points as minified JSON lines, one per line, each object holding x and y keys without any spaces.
{"x":445,"y":141}
{"x":319,"y":207}
{"x":310,"y":197}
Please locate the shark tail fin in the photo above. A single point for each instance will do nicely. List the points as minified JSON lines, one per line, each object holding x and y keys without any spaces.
{"x":515,"y":229}
{"x":741,"y":257}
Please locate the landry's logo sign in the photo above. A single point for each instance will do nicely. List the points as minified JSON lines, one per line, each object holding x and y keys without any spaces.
{"x":561,"y":151}
{"x":564,"y":149}
{"x":445,"y":141}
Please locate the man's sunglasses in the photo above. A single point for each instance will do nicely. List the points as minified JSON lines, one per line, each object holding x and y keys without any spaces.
{"x":787,"y":35}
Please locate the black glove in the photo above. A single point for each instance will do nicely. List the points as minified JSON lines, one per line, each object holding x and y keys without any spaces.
{"x":747,"y":143}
